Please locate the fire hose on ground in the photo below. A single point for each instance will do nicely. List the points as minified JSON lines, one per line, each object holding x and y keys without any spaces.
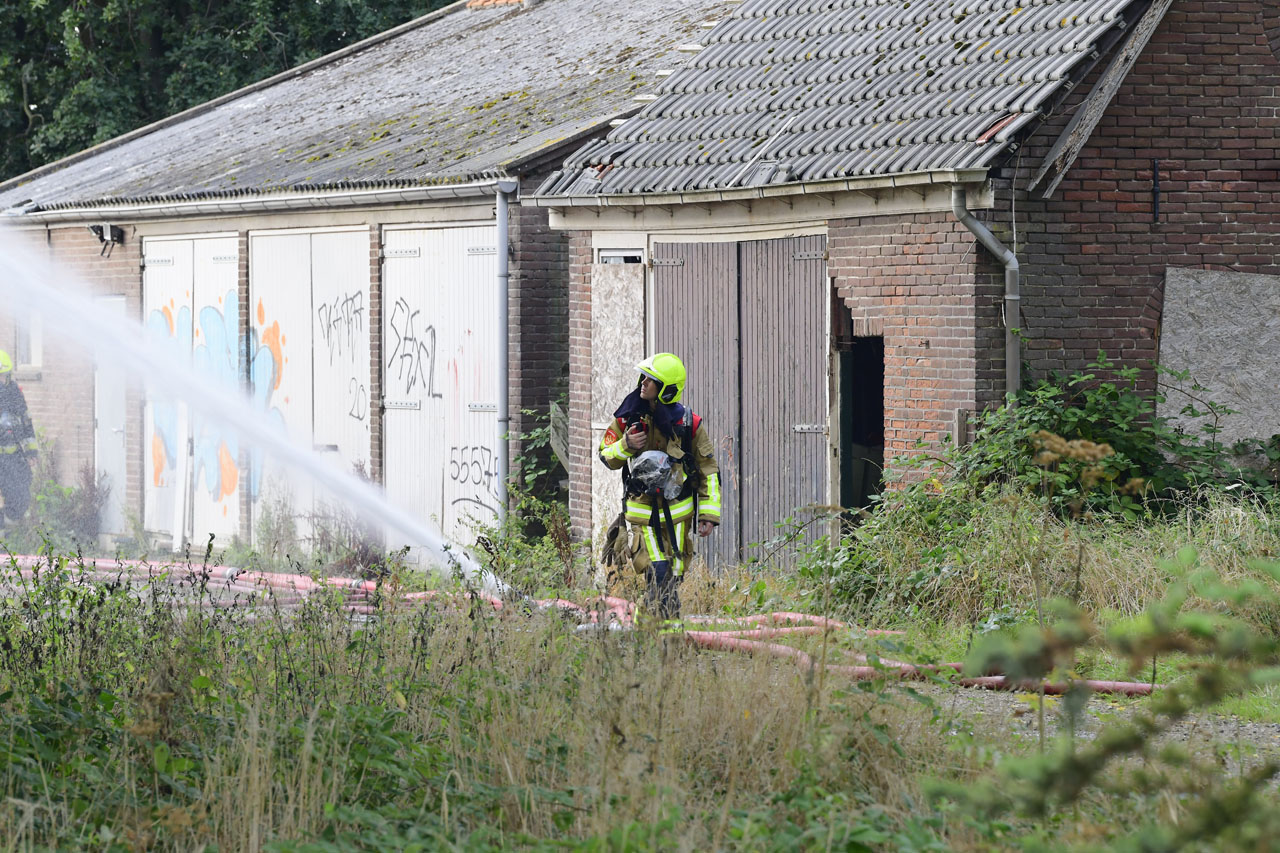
{"x":365,"y":597}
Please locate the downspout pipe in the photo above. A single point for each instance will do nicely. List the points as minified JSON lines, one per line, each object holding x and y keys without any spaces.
{"x":1012,"y":294}
{"x":507,"y":191}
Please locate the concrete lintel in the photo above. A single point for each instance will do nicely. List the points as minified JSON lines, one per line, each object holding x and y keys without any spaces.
{"x":916,"y":197}
{"x":877,"y":182}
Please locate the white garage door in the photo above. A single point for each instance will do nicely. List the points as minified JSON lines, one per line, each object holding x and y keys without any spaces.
{"x":440,"y":376}
{"x":191,"y":305}
{"x":309,"y":356}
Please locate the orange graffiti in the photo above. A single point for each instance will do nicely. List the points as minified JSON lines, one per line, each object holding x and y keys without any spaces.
{"x":157,"y":459}
{"x":168,"y":317}
{"x":262,"y":314}
{"x":230,"y":473}
{"x":272,"y":341}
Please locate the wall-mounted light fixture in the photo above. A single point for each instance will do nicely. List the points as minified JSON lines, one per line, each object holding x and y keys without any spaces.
{"x":108,"y":236}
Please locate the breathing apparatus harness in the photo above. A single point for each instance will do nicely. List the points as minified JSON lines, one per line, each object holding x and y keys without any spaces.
{"x":652,"y":475}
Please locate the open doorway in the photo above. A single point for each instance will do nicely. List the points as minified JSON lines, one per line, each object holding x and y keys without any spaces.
{"x":861,"y":420}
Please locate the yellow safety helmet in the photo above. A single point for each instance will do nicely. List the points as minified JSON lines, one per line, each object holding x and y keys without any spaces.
{"x":668,"y":371}
{"x":6,"y":363}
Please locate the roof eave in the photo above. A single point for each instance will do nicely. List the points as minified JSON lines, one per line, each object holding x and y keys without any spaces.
{"x":737,"y":194}
{"x":264,"y":203}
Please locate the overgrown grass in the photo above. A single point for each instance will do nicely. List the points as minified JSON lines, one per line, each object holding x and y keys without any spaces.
{"x":139,"y":722}
{"x":977,"y":561}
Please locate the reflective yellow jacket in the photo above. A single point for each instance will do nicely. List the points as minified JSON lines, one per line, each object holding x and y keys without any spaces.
{"x":615,"y":453}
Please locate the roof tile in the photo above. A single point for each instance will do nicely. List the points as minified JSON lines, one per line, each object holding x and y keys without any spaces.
{"x":816,"y":89}
{"x":460,"y":96}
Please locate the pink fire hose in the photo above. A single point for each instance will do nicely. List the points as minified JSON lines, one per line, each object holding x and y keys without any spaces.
{"x":290,"y":591}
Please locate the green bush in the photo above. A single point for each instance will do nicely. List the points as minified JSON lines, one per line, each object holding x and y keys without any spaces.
{"x":1142,"y":458}
{"x":532,"y":548}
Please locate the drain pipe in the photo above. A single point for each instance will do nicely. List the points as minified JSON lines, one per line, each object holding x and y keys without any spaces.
{"x":506,"y":191}
{"x":1012,"y":296}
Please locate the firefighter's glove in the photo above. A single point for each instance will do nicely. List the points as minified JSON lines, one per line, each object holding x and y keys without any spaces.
{"x":637,"y":436}
{"x":705,"y":527}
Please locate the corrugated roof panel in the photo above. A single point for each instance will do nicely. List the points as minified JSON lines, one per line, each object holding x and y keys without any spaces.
{"x":455,"y":98}
{"x":833,"y":88}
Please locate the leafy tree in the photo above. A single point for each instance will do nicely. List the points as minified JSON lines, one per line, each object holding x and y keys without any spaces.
{"x":74,"y":73}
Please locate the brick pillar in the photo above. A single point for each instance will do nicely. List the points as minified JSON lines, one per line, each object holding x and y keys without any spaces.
{"x":581,"y":452}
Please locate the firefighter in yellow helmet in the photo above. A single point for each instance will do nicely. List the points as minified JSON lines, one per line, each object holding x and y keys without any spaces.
{"x":670,"y":477}
{"x":17,"y":444}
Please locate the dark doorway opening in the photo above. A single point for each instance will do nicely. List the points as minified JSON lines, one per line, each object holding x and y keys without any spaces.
{"x":861,"y":420}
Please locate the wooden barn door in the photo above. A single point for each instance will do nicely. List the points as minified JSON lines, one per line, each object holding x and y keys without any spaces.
{"x":749,"y":319}
{"x":695,"y":312}
{"x":784,"y":297}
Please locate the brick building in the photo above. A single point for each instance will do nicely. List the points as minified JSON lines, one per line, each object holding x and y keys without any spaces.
{"x":908,"y":210}
{"x":329,"y":238}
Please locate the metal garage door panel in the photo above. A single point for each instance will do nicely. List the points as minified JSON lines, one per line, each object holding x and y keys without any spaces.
{"x":340,"y":295}
{"x":412,"y":423}
{"x":695,"y":310}
{"x":441,"y":375}
{"x":215,"y":501}
{"x":166,"y":311}
{"x":784,"y":383}
{"x":466,"y":319}
{"x":110,"y":424}
{"x":280,"y":362}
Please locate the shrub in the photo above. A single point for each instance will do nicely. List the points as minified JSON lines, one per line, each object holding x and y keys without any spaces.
{"x":1145,"y":458}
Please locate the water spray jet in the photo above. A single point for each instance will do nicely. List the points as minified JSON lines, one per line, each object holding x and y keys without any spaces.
{"x":29,"y":282}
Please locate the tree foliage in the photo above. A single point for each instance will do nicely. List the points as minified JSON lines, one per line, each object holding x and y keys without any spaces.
{"x":74,"y":73}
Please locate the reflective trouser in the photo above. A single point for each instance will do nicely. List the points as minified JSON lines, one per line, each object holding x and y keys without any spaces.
{"x":662,"y":566}
{"x":15,"y":484}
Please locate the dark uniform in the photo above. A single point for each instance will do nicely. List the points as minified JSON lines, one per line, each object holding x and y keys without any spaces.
{"x":17,"y":444}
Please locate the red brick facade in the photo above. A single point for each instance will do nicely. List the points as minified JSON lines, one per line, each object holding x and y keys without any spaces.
{"x":581,"y":437}
{"x":919,"y":282}
{"x":60,"y":391}
{"x":1202,"y":100}
{"x":538,"y":348}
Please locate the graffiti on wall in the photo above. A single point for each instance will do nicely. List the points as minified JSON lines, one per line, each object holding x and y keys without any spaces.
{"x":170,"y":327}
{"x":413,"y":356}
{"x":266,"y":367}
{"x":215,"y":450}
{"x":474,"y":468}
{"x":341,"y":327}
{"x":341,"y":324}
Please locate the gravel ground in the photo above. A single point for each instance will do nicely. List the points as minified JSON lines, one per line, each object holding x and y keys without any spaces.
{"x":1236,"y":743}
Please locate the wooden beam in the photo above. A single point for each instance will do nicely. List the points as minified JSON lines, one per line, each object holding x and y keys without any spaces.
{"x":1077,"y":133}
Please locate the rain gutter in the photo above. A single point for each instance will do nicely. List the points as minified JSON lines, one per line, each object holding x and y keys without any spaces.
{"x":916,"y":181}
{"x":1012,"y":294}
{"x":506,"y":192}
{"x":242,"y":204}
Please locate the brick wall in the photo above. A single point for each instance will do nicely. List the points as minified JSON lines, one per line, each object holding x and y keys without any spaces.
{"x":934,"y":295}
{"x":61,"y":393}
{"x":539,"y":293}
{"x":581,"y":451}
{"x":1203,"y":100}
